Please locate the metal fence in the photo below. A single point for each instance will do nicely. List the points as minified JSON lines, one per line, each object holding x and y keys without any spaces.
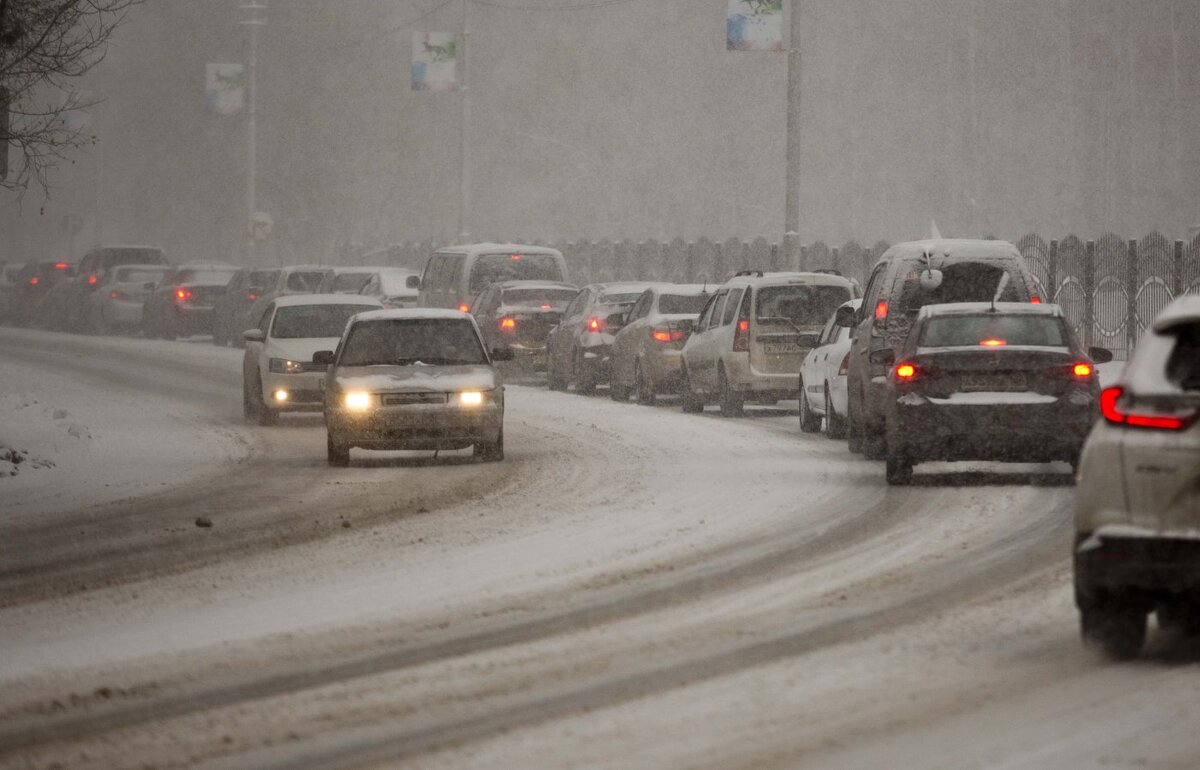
{"x":1109,"y":287}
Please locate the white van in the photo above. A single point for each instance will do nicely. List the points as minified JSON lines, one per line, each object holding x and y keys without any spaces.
{"x":456,"y":274}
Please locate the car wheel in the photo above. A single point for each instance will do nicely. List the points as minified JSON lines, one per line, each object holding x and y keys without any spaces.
{"x":265,"y":414}
{"x":249,"y":403}
{"x":810,"y":422}
{"x":644,"y":385}
{"x":336,"y":453}
{"x":689,"y":400}
{"x":554,"y":378}
{"x":835,"y":424}
{"x":732,"y":403}
{"x":899,"y":465}
{"x":492,"y":451}
{"x":619,"y":393}
{"x":1116,"y":628}
{"x":585,"y":380}
{"x":853,"y":430}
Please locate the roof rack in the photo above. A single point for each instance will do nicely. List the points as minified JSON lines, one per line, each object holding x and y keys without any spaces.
{"x":755,"y":273}
{"x":828,"y":271}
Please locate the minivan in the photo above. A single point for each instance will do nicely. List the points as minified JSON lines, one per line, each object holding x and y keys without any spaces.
{"x":906,"y":278}
{"x":456,"y":274}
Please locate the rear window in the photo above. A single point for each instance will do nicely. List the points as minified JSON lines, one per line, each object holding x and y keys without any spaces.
{"x":113,"y":257}
{"x":349,"y":283}
{"x":306,"y":281}
{"x":997,"y":330}
{"x":556,"y":298}
{"x":1183,"y":365}
{"x":138,"y":275}
{"x":302,"y":321}
{"x":264,"y":278}
{"x":412,"y":341}
{"x":204,"y":276}
{"x":681,"y":303}
{"x":961,"y":282}
{"x":494,"y":268}
{"x":800,"y":304}
{"x":619,"y":299}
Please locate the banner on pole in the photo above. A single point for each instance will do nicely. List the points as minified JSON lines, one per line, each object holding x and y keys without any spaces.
{"x":225,"y":86}
{"x":434,"y":60}
{"x":754,"y":25}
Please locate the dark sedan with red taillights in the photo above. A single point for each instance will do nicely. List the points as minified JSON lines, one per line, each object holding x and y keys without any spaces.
{"x":518,"y":316}
{"x":1003,"y":381}
{"x":182,"y":303}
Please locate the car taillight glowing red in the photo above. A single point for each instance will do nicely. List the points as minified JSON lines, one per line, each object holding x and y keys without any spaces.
{"x":508,"y":324}
{"x":992,"y":342}
{"x":115,"y":294}
{"x":182,"y":294}
{"x":844,"y":368}
{"x":546,"y":307}
{"x":1082,"y":370}
{"x":667,"y":334}
{"x":464,"y":307}
{"x":1035,"y":300}
{"x":252,"y":296}
{"x":34,"y":281}
{"x":92,"y":280}
{"x":881,"y":311}
{"x":1114,"y":412}
{"x":595,"y":324}
{"x":61,"y":265}
{"x":906,"y":371}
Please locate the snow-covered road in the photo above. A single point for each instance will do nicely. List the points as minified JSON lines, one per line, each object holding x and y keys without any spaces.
{"x":631,"y":587}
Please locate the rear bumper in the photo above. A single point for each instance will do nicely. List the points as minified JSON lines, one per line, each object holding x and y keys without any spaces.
{"x":745,"y":378}
{"x":1042,"y":432}
{"x":1151,"y":566}
{"x":122,"y":313}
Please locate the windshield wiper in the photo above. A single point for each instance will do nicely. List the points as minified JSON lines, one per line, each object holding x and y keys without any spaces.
{"x":782,"y":319}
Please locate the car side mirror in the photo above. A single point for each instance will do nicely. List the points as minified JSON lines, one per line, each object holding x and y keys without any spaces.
{"x":323,"y":358}
{"x":615,"y":320}
{"x":845,"y":317}
{"x":253,"y":335}
{"x":502,"y":354}
{"x":1100,"y":355}
{"x":883,"y":356}
{"x":412,"y":282}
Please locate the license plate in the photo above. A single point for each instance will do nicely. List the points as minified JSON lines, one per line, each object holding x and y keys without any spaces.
{"x":781,"y":348}
{"x":1002,"y":381}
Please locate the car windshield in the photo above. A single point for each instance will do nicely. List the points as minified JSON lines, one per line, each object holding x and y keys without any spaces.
{"x":555,"y":298}
{"x":991,"y":329}
{"x":494,"y":268}
{"x":349,"y":283}
{"x":961,"y":282}
{"x":678,"y":304}
{"x":800,"y":304}
{"x":412,"y":342}
{"x":619,"y":299}
{"x":204,"y":275}
{"x":264,"y":278}
{"x":305,"y":280}
{"x":139,"y":275}
{"x":302,"y":321}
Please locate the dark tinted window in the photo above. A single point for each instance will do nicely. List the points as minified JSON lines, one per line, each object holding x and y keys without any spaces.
{"x":214,"y":276}
{"x":349,"y":283}
{"x":961,"y":282}
{"x":1183,"y":365}
{"x":623,"y":298}
{"x":300,"y":321}
{"x":971,"y":330}
{"x":138,"y":275}
{"x":681,"y":303}
{"x":494,"y":268}
{"x":263,"y":278}
{"x":412,"y":341}
{"x":802,"y":304}
{"x":555,"y":298}
{"x":305,"y":281}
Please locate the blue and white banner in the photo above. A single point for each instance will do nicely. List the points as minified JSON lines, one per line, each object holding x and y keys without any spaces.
{"x":754,"y":25}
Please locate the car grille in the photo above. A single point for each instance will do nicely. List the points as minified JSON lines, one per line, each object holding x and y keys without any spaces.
{"x":404,"y":399}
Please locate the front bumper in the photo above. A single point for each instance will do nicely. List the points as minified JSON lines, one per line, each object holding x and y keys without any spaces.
{"x":416,"y":426}
{"x":1018,"y":432}
{"x":303,"y":389}
{"x":1107,"y":565}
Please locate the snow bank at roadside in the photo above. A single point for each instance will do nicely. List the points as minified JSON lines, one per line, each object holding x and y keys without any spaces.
{"x":37,"y":436}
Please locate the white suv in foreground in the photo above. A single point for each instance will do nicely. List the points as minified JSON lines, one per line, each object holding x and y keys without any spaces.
{"x":1137,"y":503}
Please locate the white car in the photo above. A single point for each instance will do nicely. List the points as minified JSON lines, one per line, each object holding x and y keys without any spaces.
{"x":1137,"y":501}
{"x":753,"y":335}
{"x":278,"y":374}
{"x":823,"y":379}
{"x":393,"y":286}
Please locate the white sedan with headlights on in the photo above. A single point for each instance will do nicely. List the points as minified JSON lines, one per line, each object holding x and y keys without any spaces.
{"x":413,"y":379}
{"x":277,"y":370}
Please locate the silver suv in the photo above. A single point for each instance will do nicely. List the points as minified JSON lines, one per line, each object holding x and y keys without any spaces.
{"x":752,"y":336}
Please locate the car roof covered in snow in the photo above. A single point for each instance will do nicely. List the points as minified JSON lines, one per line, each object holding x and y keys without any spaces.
{"x":953,"y":248}
{"x":292,"y":300}
{"x":1183,"y":310}
{"x":784,"y":278}
{"x":975,"y":308}
{"x":397,"y":314}
{"x":686,"y":289}
{"x":506,"y":285}
{"x":498,"y":248}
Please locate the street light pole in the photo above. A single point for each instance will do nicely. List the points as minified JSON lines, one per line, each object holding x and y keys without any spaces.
{"x":254,"y":22}
{"x":791,"y":197}
{"x":464,"y":165}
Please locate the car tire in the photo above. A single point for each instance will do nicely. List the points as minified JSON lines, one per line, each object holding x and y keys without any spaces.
{"x":835,"y":424}
{"x":898,"y":463}
{"x":854,"y":438}
{"x":732,"y":403}
{"x":249,"y":403}
{"x":585,"y":380}
{"x":264,"y":414}
{"x":491,"y":451}
{"x":337,"y":454}
{"x":810,"y":421}
{"x":1115,"y":628}
{"x":689,"y":400}
{"x":618,"y":393}
{"x":643,"y":386}
{"x":554,"y":379}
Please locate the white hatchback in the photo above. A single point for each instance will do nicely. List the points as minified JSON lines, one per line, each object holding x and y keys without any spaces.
{"x":823,"y":379}
{"x":1137,"y":501}
{"x":278,"y":374}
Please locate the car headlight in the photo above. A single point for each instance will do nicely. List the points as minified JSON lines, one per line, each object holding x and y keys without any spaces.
{"x":284,"y":366}
{"x":474,"y":398}
{"x":357,"y":400}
